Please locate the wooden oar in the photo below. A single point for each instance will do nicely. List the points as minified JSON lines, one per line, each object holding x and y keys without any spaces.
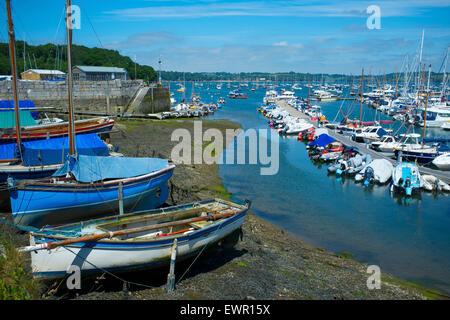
{"x":53,"y":244}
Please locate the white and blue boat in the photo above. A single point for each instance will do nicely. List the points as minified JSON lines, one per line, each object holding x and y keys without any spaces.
{"x":134,"y":241}
{"x":406,"y":178}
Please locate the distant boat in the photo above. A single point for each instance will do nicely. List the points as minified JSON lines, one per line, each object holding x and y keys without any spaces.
{"x":237,"y":94}
{"x":134,"y":241}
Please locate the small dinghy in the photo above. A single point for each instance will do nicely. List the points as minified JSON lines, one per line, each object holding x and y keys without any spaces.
{"x":379,"y":170}
{"x":432,"y":183}
{"x":352,"y":165}
{"x":332,"y":151}
{"x":133,"y":241}
{"x":406,"y":178}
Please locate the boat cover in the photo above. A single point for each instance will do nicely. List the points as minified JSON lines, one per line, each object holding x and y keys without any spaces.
{"x":93,"y":168}
{"x":54,"y":150}
{"x":322,"y":140}
{"x":8,"y":105}
{"x":382,"y":170}
{"x":8,"y":119}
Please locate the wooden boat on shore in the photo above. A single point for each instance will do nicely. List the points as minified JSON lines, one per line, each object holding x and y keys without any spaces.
{"x":90,"y":186}
{"x":133,"y":241}
{"x":99,"y":124}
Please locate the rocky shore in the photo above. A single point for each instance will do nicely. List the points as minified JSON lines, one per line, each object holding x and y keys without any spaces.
{"x":267,"y":262}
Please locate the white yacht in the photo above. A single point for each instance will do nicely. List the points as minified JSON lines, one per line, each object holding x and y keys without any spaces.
{"x":436,"y":117}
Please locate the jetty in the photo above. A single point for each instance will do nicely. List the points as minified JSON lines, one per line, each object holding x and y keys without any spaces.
{"x":442,"y":175}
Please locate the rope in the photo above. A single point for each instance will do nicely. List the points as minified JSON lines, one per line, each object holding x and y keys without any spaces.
{"x":198,"y":255}
{"x":110,"y":273}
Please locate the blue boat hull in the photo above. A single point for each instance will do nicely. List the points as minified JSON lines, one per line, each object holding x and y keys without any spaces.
{"x":40,"y":205}
{"x":420,"y":157}
{"x":27,"y":174}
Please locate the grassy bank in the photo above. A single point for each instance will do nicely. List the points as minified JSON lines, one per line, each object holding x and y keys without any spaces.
{"x":16,"y":281}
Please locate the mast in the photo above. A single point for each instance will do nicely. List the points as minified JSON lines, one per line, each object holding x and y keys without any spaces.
{"x":362,"y":93}
{"x":444,"y":74}
{"x":12,"y":56}
{"x":425,"y":118}
{"x":396,"y":83}
{"x":420,"y":56}
{"x":69,"y":76}
{"x":429,"y":75}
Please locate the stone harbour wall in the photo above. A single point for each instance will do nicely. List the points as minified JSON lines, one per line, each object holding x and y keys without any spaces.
{"x":88,"y":96}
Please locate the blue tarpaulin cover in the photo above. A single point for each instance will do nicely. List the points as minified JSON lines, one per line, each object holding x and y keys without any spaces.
{"x":322,"y":140}
{"x":92,"y":168}
{"x":55,"y":150}
{"x":8,"y":105}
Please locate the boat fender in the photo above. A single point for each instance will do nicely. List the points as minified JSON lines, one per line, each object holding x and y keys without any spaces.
{"x":11,"y":183}
{"x":338,"y":172}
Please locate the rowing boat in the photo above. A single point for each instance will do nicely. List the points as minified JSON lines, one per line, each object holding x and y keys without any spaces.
{"x":138,"y":240}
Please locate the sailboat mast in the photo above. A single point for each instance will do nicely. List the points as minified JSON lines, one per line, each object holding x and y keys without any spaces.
{"x":396,"y":84}
{"x":362,"y":94}
{"x":69,"y":76}
{"x":12,"y":56}
{"x":425,"y":118}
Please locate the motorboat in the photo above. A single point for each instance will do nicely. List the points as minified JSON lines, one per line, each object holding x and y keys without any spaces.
{"x":442,"y":161}
{"x":406,"y":178}
{"x":436,"y":117}
{"x":370,"y":134}
{"x":379,"y":170}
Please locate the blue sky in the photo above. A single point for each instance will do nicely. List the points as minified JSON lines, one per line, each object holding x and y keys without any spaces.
{"x":248,"y":35}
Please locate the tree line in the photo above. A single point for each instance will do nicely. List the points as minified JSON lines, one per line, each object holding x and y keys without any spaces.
{"x":53,"y":57}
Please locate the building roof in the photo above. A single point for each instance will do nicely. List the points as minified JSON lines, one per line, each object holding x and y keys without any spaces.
{"x":44,"y":71}
{"x":100,"y":69}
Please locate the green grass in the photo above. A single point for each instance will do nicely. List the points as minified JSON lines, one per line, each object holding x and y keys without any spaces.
{"x":345,"y":255}
{"x":427,"y":293}
{"x":288,"y":273}
{"x":242,"y":264}
{"x":219,"y":191}
{"x":15,"y":282}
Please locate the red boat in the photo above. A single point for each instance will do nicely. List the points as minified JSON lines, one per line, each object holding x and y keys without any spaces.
{"x":99,"y":124}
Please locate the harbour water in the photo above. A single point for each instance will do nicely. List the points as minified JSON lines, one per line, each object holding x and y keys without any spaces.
{"x":408,"y":238}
